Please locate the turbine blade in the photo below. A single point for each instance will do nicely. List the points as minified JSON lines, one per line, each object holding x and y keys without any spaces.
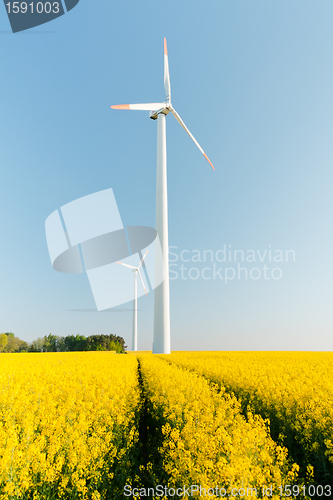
{"x":152,"y":106}
{"x":143,"y":258}
{"x":127,"y":265}
{"x":179,"y":120}
{"x":142,"y":282}
{"x":167,"y":85}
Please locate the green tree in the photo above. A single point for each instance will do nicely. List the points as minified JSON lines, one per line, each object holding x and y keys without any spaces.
{"x":13,"y":344}
{"x":61,"y":346}
{"x":51,"y":343}
{"x":103,"y":343}
{"x":37,"y":345}
{"x":115,"y":346}
{"x":3,"y":341}
{"x":23,"y":346}
{"x":75,"y":343}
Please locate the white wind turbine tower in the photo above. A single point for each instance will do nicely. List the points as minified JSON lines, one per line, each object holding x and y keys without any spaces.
{"x":136,"y":271}
{"x":162,"y":295}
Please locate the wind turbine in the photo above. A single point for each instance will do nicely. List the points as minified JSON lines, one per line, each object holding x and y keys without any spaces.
{"x":158,"y":111}
{"x":136,"y":271}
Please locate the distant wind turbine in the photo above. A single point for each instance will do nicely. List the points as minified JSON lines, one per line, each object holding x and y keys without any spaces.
{"x":162,"y":294}
{"x":136,"y":271}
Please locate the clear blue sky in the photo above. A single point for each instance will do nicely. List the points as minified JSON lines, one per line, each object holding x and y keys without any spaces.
{"x":253,"y":81}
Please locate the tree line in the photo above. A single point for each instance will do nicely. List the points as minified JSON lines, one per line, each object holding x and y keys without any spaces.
{"x":10,"y":343}
{"x":56,"y":343}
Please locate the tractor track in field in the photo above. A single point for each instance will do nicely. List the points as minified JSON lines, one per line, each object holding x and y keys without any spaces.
{"x":147,"y":457}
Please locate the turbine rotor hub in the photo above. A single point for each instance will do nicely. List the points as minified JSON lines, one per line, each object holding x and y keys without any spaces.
{"x":163,"y":111}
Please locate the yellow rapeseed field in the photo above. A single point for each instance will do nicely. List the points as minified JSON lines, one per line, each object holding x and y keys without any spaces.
{"x":67,"y":424}
{"x":83,"y":425}
{"x":294,"y":390}
{"x":207,"y":441}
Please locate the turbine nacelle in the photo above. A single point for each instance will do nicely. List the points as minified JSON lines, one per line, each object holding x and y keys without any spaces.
{"x":136,"y":269}
{"x":165,"y":111}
